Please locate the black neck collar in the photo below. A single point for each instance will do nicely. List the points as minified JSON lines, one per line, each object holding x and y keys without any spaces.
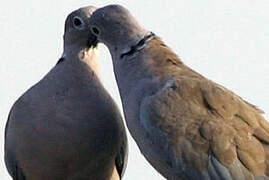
{"x":140,"y":45}
{"x":60,"y":60}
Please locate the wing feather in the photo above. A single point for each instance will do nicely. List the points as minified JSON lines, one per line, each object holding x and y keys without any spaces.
{"x":209,"y":128}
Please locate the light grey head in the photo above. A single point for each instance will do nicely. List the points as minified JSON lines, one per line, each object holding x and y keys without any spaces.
{"x":115,"y":26}
{"x":77,"y":35}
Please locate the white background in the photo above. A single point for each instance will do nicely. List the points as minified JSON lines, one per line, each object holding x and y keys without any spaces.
{"x":227,"y":41}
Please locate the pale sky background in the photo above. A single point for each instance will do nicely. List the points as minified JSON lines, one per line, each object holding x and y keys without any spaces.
{"x":227,"y":41}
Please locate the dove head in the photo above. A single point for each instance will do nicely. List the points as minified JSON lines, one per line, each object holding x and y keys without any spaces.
{"x":115,"y":26}
{"x":79,"y":43}
{"x":77,"y":35}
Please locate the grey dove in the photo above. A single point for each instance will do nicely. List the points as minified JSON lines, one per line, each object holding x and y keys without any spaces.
{"x":67,"y":127}
{"x":187,"y":126}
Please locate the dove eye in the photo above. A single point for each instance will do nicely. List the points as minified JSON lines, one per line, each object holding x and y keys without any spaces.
{"x":78,"y":23}
{"x":95,"y":30}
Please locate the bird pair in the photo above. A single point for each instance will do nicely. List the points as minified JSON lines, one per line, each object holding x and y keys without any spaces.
{"x":188,"y":127}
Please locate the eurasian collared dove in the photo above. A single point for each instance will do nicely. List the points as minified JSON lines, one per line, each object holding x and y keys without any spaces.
{"x":67,"y":127}
{"x":187,"y":126}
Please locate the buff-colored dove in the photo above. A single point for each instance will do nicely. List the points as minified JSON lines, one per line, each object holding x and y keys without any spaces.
{"x":67,"y":127}
{"x":187,"y":126}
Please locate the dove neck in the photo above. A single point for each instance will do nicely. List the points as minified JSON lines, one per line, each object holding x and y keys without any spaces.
{"x":138,"y":46}
{"x":89,"y":56}
{"x":155,"y":61}
{"x":74,"y":49}
{"x":126,"y":43}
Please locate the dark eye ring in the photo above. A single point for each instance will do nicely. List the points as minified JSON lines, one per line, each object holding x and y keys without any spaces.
{"x":78,"y":22}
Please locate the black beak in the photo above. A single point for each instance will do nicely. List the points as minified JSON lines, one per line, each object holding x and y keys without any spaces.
{"x":93,"y":41}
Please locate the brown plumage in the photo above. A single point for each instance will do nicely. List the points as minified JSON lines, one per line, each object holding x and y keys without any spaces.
{"x":201,"y":117}
{"x":187,"y":126}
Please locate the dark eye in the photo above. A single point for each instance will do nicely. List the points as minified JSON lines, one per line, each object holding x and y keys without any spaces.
{"x":78,"y":22}
{"x":95,"y":30}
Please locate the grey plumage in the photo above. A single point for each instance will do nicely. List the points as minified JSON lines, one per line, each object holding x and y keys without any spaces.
{"x":67,"y":126}
{"x":186,"y":126}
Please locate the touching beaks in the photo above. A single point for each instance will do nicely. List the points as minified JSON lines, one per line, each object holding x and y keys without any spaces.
{"x":92,"y":41}
{"x":95,"y":32}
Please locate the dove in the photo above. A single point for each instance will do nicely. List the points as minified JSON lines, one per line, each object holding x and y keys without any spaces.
{"x":67,"y":126}
{"x":187,"y":126}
